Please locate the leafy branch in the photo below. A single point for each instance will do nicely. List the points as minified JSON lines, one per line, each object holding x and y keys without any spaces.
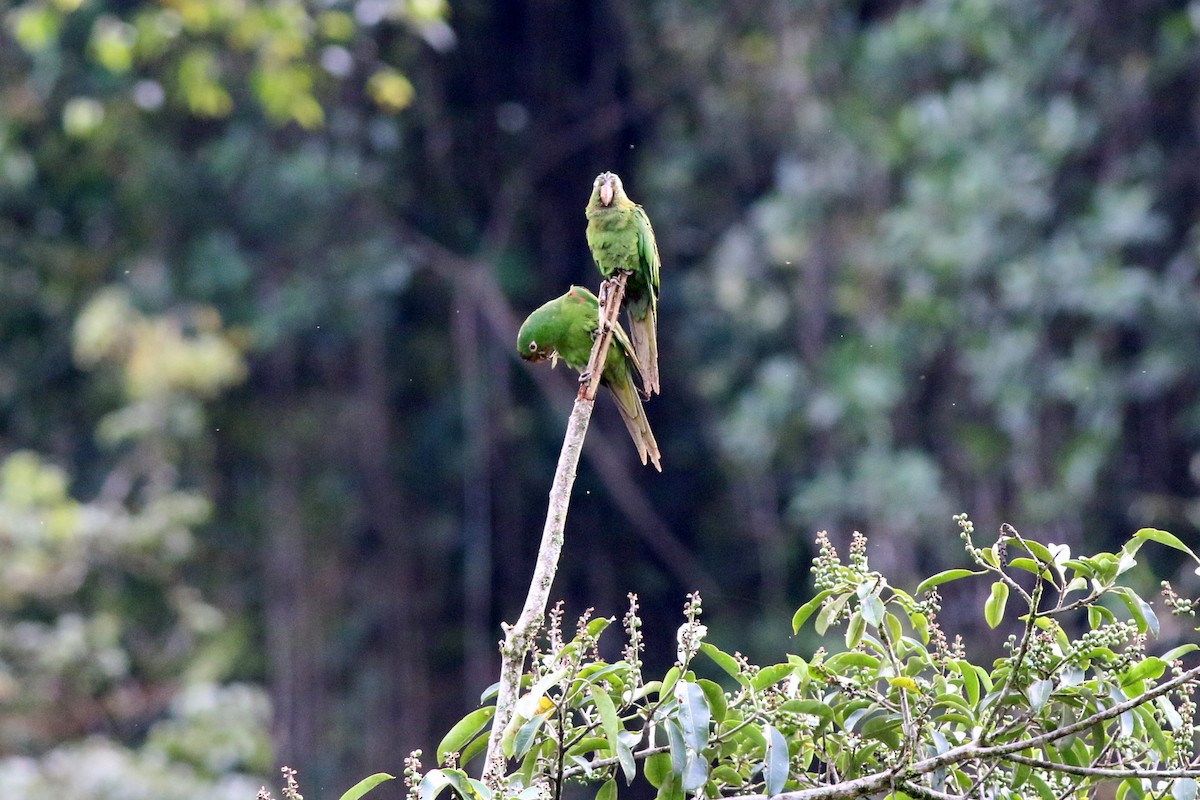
{"x":893,"y":706}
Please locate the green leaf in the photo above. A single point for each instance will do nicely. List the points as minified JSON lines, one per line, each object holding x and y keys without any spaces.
{"x":464,"y":731}
{"x":872,"y":611}
{"x":920,"y":624}
{"x":769,"y":676}
{"x":855,"y":630}
{"x":944,"y":576}
{"x":839,"y":662}
{"x":775,"y":760}
{"x":1162,"y":537}
{"x":1131,"y":787}
{"x":670,"y":789}
{"x":477,"y":746}
{"x":805,"y":611}
{"x":891,"y":624}
{"x":365,"y":785}
{"x":657,"y":769}
{"x":589,"y":744}
{"x":693,"y":714}
{"x":1178,"y":652}
{"x":715,"y":696}
{"x":1043,"y":789}
{"x":1031,"y":566}
{"x":812,"y":707}
{"x":1141,"y":612}
{"x":523,"y":740}
{"x":1037,"y":550}
{"x":722,"y":660}
{"x":695,"y":772}
{"x":970,"y":680}
{"x":1149,"y":668}
{"x":1152,"y":729}
{"x":1038,"y":693}
{"x":727,"y":775}
{"x":433,"y":783}
{"x":608,"y":717}
{"x":993,"y":609}
{"x":679,"y":750}
{"x":625,"y":758}
{"x":830,"y":613}
{"x":608,"y":791}
{"x":884,"y":728}
{"x":597,"y":626}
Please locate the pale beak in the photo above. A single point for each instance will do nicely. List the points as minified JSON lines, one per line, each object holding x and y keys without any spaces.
{"x":553,"y":359}
{"x":606,"y":193}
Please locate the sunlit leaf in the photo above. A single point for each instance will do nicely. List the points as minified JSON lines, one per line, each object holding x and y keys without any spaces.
{"x":722,"y":660}
{"x":1038,"y":693}
{"x":945,"y":576}
{"x":771,"y":675}
{"x":993,"y":609}
{"x":805,"y":611}
{"x":1163,"y":537}
{"x":365,"y":785}
{"x":463,"y":731}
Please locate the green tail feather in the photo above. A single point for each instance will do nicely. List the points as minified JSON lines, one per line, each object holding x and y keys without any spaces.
{"x":644,"y":335}
{"x":635,"y":420}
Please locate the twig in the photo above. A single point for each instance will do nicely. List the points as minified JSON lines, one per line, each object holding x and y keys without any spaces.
{"x":519,"y":636}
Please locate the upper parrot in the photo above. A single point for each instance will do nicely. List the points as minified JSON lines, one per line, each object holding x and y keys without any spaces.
{"x":564,"y":328}
{"x":621,"y":239}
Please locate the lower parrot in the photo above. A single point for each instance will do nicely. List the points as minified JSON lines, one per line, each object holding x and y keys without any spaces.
{"x":565,"y":328}
{"x":621,"y":240}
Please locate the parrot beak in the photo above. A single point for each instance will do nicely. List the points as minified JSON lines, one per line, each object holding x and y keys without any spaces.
{"x":606,"y":192}
{"x":553,"y":359}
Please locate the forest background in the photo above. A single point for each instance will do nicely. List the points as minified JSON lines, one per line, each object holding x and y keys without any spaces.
{"x":271,"y":474}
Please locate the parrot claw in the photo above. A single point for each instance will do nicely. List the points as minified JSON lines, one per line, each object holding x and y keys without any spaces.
{"x":585,"y":376}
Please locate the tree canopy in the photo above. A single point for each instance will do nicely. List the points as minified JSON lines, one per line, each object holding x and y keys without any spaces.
{"x":265,"y":443}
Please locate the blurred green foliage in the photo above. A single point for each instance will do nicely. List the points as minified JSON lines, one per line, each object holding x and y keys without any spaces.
{"x":259,"y":262}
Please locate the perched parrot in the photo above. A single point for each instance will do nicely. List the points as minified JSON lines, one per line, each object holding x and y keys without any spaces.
{"x":565,"y":328}
{"x":621,"y":240}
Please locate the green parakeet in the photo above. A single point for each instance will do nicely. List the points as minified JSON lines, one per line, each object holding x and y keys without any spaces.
{"x":565,"y":328}
{"x":621,"y":240}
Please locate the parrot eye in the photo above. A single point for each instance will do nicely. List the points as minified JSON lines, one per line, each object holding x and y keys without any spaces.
{"x":533,"y":347}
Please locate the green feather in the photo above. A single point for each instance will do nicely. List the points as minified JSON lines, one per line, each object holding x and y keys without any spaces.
{"x":621,"y":240}
{"x":565,"y":328}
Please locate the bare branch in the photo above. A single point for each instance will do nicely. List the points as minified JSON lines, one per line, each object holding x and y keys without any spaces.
{"x":1104,"y":772}
{"x":520,"y":635}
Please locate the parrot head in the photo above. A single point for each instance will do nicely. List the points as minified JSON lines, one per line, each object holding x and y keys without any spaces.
{"x":529,"y":348}
{"x":607,"y":187}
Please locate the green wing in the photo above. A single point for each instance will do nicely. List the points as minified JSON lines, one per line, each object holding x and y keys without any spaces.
{"x":647,"y":248}
{"x":621,"y":339}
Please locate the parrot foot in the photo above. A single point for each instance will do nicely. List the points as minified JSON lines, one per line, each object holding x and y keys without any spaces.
{"x":585,"y":376}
